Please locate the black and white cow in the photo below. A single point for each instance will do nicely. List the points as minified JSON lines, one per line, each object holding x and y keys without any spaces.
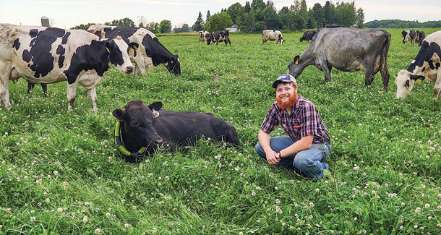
{"x":308,"y":35}
{"x":425,"y":65}
{"x":409,"y":36}
{"x":219,"y":36}
{"x":49,"y":55}
{"x":149,"y":126}
{"x":420,"y":36}
{"x":347,"y":49}
{"x":203,"y":36}
{"x":150,"y":52}
{"x":272,"y":35}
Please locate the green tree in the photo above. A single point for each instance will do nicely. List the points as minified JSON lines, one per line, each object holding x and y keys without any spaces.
{"x":303,"y":10}
{"x":153,"y":27}
{"x":360,"y":18}
{"x":235,"y":11}
{"x":199,"y":24}
{"x":329,"y":13}
{"x":83,"y":26}
{"x":186,"y":28}
{"x":208,"y":16}
{"x":247,"y":7}
{"x":270,"y":18}
{"x":345,"y":14}
{"x":125,"y":22}
{"x":165,"y":26}
{"x":317,"y":14}
{"x":218,"y":22}
{"x":247,"y":23}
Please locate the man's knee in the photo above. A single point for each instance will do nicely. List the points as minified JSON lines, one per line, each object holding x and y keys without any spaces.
{"x":259,"y":150}
{"x":302,"y":162}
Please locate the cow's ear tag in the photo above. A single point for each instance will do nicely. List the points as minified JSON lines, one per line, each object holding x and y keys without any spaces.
{"x":155,"y":114}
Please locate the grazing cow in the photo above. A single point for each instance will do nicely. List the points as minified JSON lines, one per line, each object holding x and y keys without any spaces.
{"x":409,"y":36}
{"x":308,"y":35}
{"x":203,"y":36}
{"x":347,"y":49}
{"x":49,"y":55}
{"x":420,"y":35}
{"x":272,"y":35}
{"x":148,"y":127}
{"x":150,"y":51}
{"x":219,"y":36}
{"x":425,"y":65}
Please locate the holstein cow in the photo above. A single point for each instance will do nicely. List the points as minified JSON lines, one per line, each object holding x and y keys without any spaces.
{"x":308,"y":35}
{"x":150,"y":51}
{"x":49,"y":55}
{"x":219,"y":36}
{"x":149,"y":127}
{"x":347,"y":49}
{"x":409,"y":36}
{"x":272,"y":35}
{"x":420,"y":35}
{"x":203,"y":36}
{"x":425,"y":65}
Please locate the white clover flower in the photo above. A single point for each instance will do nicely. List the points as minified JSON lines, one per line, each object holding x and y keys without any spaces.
{"x":60,"y":210}
{"x":278,"y":210}
{"x":127,"y":226}
{"x":85,"y":219}
{"x":426,"y":205}
{"x":253,"y":193}
{"x":277,"y":201}
{"x":418,"y":210}
{"x":47,"y":200}
{"x":356,"y":168}
{"x":98,"y":231}
{"x":401,"y":227}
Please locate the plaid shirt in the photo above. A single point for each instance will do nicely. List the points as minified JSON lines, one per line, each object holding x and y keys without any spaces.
{"x":304,"y":120}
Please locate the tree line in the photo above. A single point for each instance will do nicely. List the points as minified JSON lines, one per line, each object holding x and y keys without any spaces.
{"x":257,"y":15}
{"x":402,"y":24}
{"x":164,"y":26}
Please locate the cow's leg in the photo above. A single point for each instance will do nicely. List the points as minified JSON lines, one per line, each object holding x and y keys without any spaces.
{"x":30,"y":86}
{"x":437,"y":86}
{"x":327,"y":70}
{"x":71,"y":94}
{"x":368,"y":75}
{"x":385,"y":75}
{"x":91,"y":93}
{"x":5,"y":71}
{"x":44,"y":88}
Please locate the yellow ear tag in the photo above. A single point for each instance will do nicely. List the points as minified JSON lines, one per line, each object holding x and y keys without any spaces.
{"x":418,"y":81}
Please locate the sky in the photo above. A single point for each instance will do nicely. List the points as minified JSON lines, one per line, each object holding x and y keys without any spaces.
{"x":66,"y":14}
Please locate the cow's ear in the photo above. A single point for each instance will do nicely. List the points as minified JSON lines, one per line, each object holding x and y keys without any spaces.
{"x":155,"y":105}
{"x":119,"y":114}
{"x":296,"y":59}
{"x":415,"y":77}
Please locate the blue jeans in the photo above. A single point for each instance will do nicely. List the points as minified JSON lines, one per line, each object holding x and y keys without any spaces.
{"x":309,"y":163}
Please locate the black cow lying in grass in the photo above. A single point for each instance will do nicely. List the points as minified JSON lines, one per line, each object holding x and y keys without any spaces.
{"x":144,"y":128}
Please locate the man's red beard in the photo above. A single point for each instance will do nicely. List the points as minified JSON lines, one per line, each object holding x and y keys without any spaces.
{"x":284,"y":104}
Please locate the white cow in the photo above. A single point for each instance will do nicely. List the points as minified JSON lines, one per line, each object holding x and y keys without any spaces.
{"x":49,"y":55}
{"x":425,"y":65}
{"x":272,"y":35}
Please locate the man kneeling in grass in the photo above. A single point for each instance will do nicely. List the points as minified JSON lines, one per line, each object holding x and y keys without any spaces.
{"x":307,"y":145}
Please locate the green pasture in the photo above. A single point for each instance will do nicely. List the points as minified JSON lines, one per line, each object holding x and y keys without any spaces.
{"x":60,"y":172}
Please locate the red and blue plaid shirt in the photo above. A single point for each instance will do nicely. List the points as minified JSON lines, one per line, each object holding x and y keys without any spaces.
{"x":304,"y":120}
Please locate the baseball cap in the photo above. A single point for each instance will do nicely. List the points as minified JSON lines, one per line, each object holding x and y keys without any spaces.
{"x":284,"y":78}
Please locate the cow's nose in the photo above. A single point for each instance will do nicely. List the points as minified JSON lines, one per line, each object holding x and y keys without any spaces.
{"x":129,"y":69}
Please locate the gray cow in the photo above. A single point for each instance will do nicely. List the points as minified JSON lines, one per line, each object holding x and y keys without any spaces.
{"x":347,"y":49}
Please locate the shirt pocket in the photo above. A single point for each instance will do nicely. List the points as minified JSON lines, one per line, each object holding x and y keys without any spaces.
{"x":296,"y":124}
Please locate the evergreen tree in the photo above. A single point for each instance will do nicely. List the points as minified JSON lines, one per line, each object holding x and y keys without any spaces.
{"x":208,"y":15}
{"x":360,"y":18}
{"x":199,"y":24}
{"x":317,"y":14}
{"x":247,"y":7}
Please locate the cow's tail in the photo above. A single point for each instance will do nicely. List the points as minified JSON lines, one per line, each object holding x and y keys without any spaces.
{"x":383,"y":61}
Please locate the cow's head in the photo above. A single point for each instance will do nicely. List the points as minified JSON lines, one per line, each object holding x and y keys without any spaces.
{"x":174,"y":65}
{"x":119,"y":53}
{"x":405,"y":82}
{"x":137,"y":125}
{"x":294,"y":67}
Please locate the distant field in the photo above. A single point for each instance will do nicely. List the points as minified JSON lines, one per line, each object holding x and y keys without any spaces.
{"x":60,"y":172}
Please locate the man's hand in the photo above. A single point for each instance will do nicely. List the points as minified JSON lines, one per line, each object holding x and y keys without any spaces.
{"x":272,"y":157}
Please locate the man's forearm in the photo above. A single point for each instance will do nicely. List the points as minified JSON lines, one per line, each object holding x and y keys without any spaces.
{"x":264,"y":140}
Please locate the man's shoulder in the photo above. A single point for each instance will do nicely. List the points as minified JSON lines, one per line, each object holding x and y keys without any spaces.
{"x":305,"y":103}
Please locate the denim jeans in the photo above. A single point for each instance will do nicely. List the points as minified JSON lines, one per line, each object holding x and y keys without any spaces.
{"x":309,"y":163}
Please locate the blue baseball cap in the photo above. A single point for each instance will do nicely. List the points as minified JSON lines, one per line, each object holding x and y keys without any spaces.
{"x":286,"y":78}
